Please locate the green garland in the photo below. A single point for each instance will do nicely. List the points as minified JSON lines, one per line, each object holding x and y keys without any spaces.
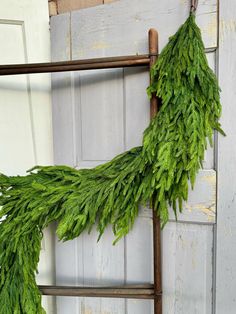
{"x":159,"y":170}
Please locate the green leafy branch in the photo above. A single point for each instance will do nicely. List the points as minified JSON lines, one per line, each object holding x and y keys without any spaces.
{"x":171,"y":154}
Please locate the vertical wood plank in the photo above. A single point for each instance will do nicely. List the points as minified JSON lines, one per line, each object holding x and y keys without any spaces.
{"x":101,"y":31}
{"x":103,"y":264}
{"x":187,"y":268}
{"x":137,"y":116}
{"x":62,"y":93}
{"x":99,"y":136}
{"x":67,"y":272}
{"x":99,"y":108}
{"x":226,"y":165}
{"x":139,"y":261}
{"x":60,"y":37}
{"x":208,"y":162}
{"x":62,"y":100}
{"x":137,"y":105}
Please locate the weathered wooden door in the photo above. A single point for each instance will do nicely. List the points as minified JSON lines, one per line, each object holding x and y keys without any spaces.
{"x":98,"y":114}
{"x":25,"y":104}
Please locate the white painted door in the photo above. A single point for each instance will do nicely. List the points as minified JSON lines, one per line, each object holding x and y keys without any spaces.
{"x":99,"y":114}
{"x":25,"y":105}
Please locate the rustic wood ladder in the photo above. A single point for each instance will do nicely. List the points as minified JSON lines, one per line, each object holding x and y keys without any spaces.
{"x":152,"y":291}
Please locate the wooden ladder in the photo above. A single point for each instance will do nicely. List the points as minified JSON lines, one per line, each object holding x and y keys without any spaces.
{"x":152,"y":291}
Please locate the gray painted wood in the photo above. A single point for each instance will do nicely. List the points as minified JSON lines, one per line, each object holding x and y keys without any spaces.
{"x":187,"y":268}
{"x":139,"y":241}
{"x":62,"y":103}
{"x":105,"y":30}
{"x":137,"y":113}
{"x":201,"y":205}
{"x":226,"y":165}
{"x":101,"y":113}
{"x":139,"y":261}
{"x":66,"y":274}
{"x":103,"y":264}
{"x":62,"y":93}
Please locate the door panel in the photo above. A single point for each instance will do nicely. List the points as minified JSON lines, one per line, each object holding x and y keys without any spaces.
{"x":25,"y":105}
{"x":17,"y":103}
{"x":101,"y":124}
{"x":187,"y":268}
{"x":106,"y":113}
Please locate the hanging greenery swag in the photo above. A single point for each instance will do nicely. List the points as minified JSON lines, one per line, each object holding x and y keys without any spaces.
{"x":171,"y":154}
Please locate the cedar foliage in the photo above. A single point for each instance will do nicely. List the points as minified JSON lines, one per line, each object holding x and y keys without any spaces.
{"x":159,"y":170}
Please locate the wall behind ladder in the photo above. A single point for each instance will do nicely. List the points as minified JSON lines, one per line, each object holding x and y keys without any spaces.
{"x":98,"y":114}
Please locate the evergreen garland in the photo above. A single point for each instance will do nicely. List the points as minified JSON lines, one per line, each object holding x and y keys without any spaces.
{"x":159,"y":170}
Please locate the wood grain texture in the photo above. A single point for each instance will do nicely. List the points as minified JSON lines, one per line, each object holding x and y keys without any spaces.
{"x":226,"y":165}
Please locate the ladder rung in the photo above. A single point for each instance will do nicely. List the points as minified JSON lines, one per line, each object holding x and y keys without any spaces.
{"x":126,"y":291}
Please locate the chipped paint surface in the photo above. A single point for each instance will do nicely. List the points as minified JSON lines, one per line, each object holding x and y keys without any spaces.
{"x":100,"y":45}
{"x":201,"y":205}
{"x":207,"y":207}
{"x":88,"y":310}
{"x":226,"y":27}
{"x":210,"y":29}
{"x":210,"y":178}
{"x":208,"y":210}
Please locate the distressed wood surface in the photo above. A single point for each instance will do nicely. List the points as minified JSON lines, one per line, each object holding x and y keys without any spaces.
{"x":187,"y":268}
{"x":103,"y":30}
{"x":62,"y":97}
{"x":226,"y":165}
{"x":63,"y":141}
{"x":106,"y":113}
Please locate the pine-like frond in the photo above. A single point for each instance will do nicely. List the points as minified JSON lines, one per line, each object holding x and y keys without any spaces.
{"x":159,"y":170}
